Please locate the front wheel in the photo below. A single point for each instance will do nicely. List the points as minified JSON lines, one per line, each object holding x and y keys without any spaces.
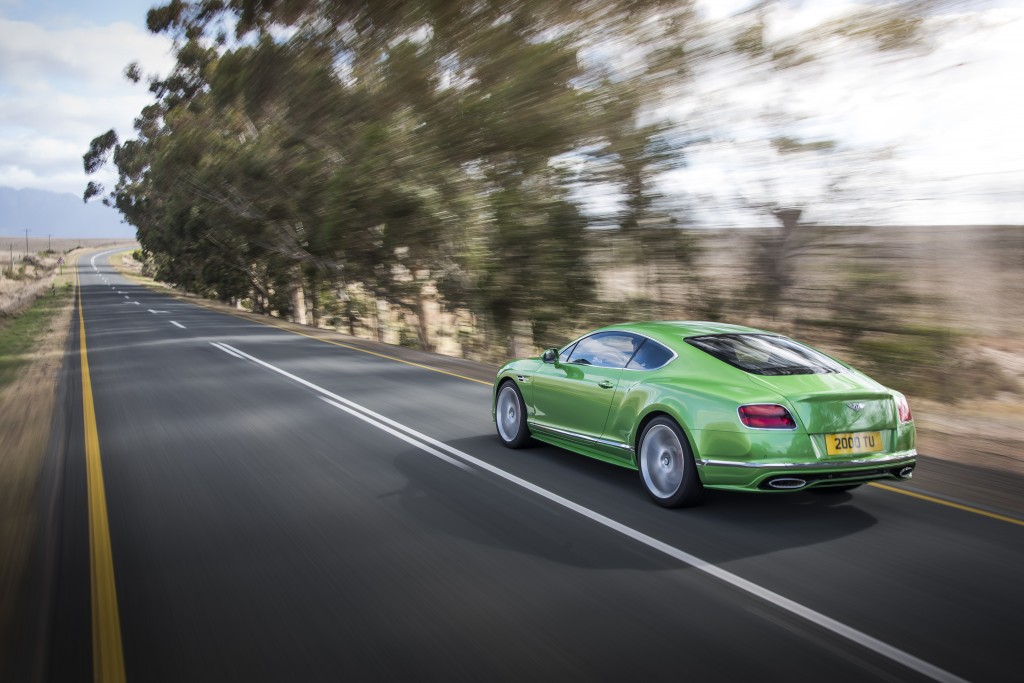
{"x":666,"y":464}
{"x":510,"y":416}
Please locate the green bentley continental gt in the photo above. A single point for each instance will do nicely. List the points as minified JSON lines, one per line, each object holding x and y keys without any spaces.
{"x":695,"y":405}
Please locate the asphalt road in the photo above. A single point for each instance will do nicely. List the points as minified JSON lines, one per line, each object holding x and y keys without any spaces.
{"x":281,"y":509}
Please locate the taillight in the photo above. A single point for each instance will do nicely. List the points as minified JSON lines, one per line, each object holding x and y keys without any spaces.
{"x":766,"y":416}
{"x":903,"y":408}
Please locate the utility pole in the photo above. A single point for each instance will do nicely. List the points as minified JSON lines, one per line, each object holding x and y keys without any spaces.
{"x":26,"y":241}
{"x":48,"y":243}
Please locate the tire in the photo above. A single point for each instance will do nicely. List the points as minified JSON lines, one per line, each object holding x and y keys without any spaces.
{"x":666,"y":465}
{"x":834,"y":489}
{"x":510,"y":416}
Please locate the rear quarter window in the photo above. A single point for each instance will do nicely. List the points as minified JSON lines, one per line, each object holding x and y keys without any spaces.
{"x":650,"y":356}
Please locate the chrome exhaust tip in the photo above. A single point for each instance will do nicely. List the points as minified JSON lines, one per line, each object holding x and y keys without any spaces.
{"x":906,"y":473}
{"x":787,"y":483}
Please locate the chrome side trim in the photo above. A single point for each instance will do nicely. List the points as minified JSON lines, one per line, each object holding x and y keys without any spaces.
{"x":579,"y":437}
{"x":896,"y":459}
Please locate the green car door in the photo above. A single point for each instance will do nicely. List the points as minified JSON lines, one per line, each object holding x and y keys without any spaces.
{"x":574,"y":393}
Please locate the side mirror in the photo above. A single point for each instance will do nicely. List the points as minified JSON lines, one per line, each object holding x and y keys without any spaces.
{"x":550,"y":356}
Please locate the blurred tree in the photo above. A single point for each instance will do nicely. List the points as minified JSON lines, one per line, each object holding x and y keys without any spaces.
{"x":774,"y":164}
{"x":390,"y":145}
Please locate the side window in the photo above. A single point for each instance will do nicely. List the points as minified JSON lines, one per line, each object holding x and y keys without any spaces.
{"x":563,"y":357}
{"x":606,"y":349}
{"x":650,"y":356}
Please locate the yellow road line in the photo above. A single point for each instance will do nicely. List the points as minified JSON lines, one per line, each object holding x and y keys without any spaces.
{"x":107,"y":652}
{"x":948,"y":503}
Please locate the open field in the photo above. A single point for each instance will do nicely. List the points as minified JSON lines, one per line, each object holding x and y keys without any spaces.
{"x":14,"y":245}
{"x":21,"y":280}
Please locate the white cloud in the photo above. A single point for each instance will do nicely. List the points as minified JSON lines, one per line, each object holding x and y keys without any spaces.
{"x":61,"y":87}
{"x":951,"y":116}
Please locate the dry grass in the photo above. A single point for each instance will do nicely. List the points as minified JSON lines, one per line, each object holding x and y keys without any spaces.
{"x":22,"y":282}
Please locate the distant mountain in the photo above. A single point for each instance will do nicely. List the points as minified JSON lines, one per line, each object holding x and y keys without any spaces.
{"x":58,"y":214}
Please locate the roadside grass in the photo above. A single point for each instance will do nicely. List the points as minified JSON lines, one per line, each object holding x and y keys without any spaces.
{"x":19,"y":335}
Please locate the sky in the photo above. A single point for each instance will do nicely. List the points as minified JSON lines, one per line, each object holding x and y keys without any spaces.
{"x":930,"y":139}
{"x":949,"y":120}
{"x":62,"y":84}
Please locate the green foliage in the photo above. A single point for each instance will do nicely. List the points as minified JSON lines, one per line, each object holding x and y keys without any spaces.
{"x":873,"y":313}
{"x":392,"y":147}
{"x":932,"y":362}
{"x":785,"y":144}
{"x":384,"y":145}
{"x":99,"y":151}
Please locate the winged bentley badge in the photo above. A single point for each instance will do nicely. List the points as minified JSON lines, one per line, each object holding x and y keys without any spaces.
{"x":855,"y":407}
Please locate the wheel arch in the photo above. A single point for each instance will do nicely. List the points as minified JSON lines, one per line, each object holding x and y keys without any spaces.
{"x":649,"y":415}
{"x":499,"y":382}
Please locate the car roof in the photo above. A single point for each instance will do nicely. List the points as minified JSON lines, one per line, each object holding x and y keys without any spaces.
{"x":671,"y":332}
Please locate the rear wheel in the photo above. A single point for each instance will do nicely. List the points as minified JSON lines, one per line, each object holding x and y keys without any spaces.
{"x":666,"y":464}
{"x":510,"y":416}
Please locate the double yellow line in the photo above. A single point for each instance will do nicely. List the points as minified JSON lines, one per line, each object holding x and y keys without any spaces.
{"x":107,"y":651}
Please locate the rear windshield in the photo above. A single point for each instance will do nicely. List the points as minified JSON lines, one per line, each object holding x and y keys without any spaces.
{"x":766,"y":354}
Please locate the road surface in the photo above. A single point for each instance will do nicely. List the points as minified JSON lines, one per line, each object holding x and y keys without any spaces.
{"x":278,"y":508}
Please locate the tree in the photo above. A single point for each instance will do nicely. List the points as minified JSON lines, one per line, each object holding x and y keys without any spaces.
{"x":766,"y":155}
{"x":391,"y":145}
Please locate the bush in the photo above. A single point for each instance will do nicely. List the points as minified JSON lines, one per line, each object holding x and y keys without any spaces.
{"x":932,"y":363}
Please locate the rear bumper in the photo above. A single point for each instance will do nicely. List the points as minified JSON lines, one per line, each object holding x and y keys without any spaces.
{"x":773,"y":476}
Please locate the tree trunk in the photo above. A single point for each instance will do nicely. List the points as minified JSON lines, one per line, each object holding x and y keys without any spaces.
{"x":521,"y":339}
{"x":314,"y":295}
{"x":299,"y":305}
{"x":423,"y":311}
{"x":350,"y":315}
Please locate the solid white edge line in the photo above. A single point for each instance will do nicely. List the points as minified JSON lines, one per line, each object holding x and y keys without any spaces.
{"x":175,"y":322}
{"x":398,"y":434}
{"x":353,"y":404}
{"x":226,"y":349}
{"x":828,"y":623}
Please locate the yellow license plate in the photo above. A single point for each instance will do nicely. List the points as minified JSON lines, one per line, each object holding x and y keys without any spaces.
{"x":853,"y":444}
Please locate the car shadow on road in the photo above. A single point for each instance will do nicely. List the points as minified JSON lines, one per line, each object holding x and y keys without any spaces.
{"x":495,"y":512}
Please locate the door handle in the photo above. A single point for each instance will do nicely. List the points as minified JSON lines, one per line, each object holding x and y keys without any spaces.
{"x":606,"y":384}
